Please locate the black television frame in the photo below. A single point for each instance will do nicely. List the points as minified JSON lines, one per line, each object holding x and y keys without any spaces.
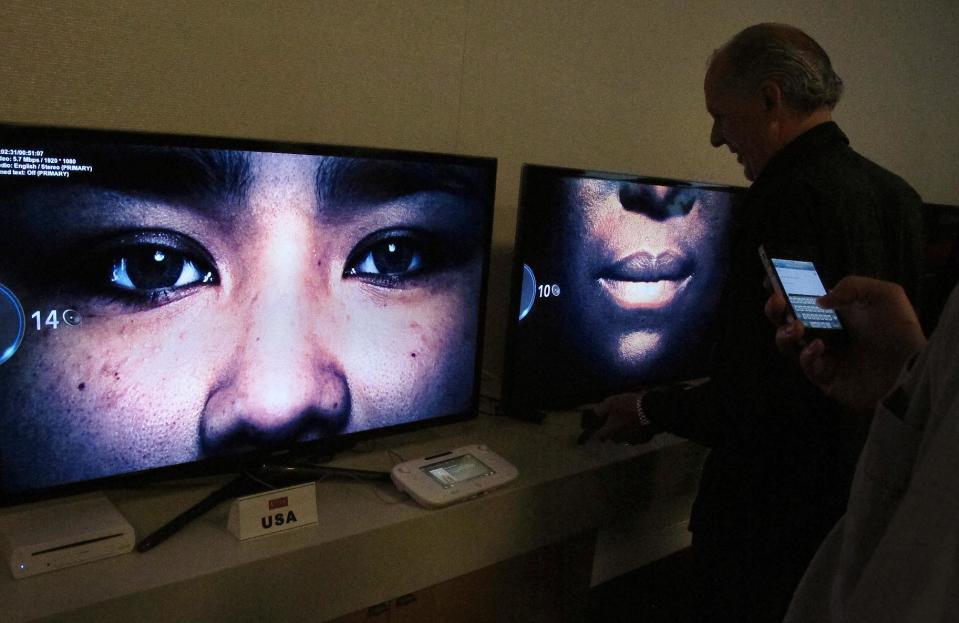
{"x":940,"y":261}
{"x":14,"y":136}
{"x":536,"y":411}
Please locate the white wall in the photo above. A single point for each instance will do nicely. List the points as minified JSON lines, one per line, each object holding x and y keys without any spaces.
{"x":606,"y":85}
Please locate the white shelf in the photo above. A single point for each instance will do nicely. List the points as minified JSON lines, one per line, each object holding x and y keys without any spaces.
{"x":371,"y":544}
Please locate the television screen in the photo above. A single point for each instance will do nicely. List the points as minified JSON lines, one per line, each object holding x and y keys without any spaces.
{"x":617,"y":279}
{"x":172,"y":302}
{"x":940,"y":261}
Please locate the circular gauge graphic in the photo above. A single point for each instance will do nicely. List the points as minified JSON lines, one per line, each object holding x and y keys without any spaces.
{"x":527,"y":295}
{"x":71,"y":317}
{"x":12,"y":323}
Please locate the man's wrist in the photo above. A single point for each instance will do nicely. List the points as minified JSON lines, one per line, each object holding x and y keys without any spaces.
{"x":641,"y":416}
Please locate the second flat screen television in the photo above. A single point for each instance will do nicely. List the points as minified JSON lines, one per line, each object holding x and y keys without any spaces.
{"x":169,"y":301}
{"x":617,"y":282}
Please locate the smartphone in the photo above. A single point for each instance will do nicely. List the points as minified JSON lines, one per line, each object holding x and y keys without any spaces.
{"x":799,"y":283}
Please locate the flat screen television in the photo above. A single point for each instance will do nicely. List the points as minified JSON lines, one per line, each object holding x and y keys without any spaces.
{"x":616,"y":283}
{"x":940,"y":261}
{"x":176,"y":305}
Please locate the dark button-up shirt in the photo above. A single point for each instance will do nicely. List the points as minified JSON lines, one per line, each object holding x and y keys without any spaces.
{"x":781,"y":458}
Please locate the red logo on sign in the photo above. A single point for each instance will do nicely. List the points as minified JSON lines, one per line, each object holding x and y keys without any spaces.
{"x":279,"y":502}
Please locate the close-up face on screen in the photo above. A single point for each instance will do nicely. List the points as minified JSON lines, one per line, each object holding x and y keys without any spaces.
{"x":178,"y":303}
{"x":628,"y":276}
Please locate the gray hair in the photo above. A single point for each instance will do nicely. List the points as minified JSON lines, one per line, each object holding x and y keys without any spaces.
{"x":784,"y":55}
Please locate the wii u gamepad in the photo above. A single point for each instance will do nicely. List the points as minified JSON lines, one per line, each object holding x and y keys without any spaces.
{"x":453,"y":476}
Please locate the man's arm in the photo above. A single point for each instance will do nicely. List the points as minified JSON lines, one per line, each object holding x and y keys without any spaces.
{"x":692,"y":411}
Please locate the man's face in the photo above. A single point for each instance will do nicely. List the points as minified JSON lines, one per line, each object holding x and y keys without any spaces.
{"x":644,"y":268}
{"x":279,"y":297}
{"x":741,"y":121}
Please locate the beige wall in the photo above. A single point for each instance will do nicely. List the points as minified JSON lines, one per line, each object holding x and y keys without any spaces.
{"x":605,"y":85}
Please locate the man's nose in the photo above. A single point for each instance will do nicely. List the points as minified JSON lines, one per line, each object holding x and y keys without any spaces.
{"x":715,"y":136}
{"x":282,"y":384}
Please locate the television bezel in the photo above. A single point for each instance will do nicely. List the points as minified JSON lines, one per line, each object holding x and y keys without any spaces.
{"x":21,"y":136}
{"x":508,"y":392}
{"x":941,"y":228}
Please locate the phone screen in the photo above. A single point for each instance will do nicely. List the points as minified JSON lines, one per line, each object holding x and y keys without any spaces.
{"x":802,"y":285}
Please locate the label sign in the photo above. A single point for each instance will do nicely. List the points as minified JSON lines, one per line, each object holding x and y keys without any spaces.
{"x":274,"y":511}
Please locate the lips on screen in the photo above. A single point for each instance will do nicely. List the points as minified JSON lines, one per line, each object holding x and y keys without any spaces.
{"x":618,"y":283}
{"x":166,"y":301}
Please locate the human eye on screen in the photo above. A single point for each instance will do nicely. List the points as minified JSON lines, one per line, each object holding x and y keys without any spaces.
{"x":147,"y":268}
{"x":394,"y":258}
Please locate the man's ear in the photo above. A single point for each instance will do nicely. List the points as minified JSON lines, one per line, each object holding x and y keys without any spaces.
{"x":772,"y":96}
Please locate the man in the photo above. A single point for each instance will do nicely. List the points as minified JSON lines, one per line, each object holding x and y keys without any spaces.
{"x":892,"y":556}
{"x":777,"y":476}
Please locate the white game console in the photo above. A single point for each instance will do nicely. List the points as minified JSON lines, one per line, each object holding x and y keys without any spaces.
{"x":447,"y":477}
{"x":61,"y":535}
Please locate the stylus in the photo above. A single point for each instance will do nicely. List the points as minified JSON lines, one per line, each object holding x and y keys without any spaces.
{"x":239,"y":485}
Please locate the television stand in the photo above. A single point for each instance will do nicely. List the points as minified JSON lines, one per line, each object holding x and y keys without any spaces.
{"x":258,"y":479}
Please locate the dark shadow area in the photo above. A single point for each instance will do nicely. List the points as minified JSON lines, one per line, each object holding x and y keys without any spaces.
{"x":940,"y":261}
{"x":654,"y":593}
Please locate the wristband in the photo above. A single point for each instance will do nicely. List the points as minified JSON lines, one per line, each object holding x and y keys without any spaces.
{"x":640,"y":413}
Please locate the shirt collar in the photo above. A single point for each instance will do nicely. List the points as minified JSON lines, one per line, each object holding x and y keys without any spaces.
{"x":813,"y":141}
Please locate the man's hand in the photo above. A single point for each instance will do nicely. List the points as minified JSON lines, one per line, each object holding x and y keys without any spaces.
{"x":883,"y":333}
{"x":623,"y":420}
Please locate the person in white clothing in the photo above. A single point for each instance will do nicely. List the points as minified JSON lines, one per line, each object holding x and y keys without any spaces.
{"x":894,"y":556}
